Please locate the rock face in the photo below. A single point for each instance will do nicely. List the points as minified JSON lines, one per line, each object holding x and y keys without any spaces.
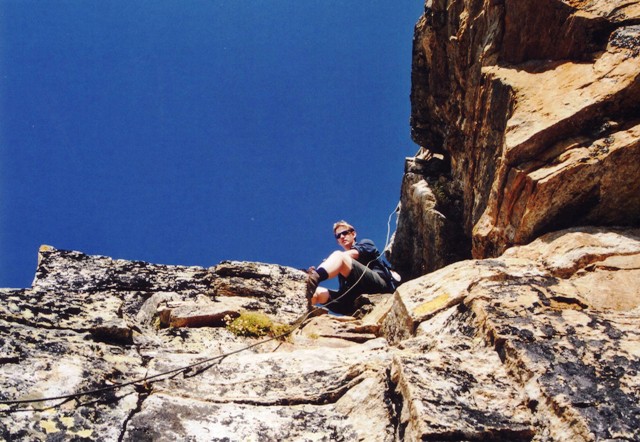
{"x":539,"y":344}
{"x":534,"y":107}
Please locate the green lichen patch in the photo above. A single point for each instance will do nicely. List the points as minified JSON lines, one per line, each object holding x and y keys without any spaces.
{"x":255,"y":324}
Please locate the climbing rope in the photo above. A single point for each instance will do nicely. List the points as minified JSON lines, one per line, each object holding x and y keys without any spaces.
{"x":146,"y":379}
{"x":156,"y":377}
{"x":387,"y":242}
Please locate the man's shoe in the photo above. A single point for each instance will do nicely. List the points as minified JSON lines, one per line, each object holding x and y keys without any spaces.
{"x":313,"y":279}
{"x":317,"y":310}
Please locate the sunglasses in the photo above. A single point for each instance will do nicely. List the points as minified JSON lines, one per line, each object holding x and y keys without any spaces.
{"x":343,"y":233}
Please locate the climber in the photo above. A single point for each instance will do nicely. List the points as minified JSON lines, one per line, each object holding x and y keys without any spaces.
{"x":359,"y":270}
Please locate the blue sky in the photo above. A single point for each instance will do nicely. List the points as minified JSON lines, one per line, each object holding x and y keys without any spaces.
{"x":191,"y":132}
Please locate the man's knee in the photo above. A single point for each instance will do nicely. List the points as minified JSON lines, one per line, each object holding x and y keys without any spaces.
{"x":347,"y":263}
{"x":341,"y":255}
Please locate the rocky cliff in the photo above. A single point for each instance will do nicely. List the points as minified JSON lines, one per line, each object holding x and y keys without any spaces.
{"x":534,"y":108}
{"x":518,"y":238}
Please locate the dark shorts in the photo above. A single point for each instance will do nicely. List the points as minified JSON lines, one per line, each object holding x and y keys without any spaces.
{"x":363,"y":280}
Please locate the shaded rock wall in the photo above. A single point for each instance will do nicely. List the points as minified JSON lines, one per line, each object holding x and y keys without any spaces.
{"x":429,"y":233}
{"x":534,"y":105}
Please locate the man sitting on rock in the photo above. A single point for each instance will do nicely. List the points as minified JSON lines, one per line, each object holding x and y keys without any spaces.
{"x":358,"y":268}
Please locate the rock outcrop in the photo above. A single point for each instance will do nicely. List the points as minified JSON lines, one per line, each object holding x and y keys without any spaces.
{"x":534,"y":106}
{"x":539,"y":344}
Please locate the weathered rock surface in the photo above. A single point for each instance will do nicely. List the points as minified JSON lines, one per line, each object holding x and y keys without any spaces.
{"x":91,"y":321}
{"x":542,"y":343}
{"x":539,"y":344}
{"x":535,"y":107}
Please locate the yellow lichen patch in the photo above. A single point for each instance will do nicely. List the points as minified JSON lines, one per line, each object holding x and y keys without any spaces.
{"x":49,"y":426}
{"x":118,"y":360}
{"x":67,"y":421}
{"x":46,"y":248}
{"x":83,"y":433}
{"x":431,"y":306}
